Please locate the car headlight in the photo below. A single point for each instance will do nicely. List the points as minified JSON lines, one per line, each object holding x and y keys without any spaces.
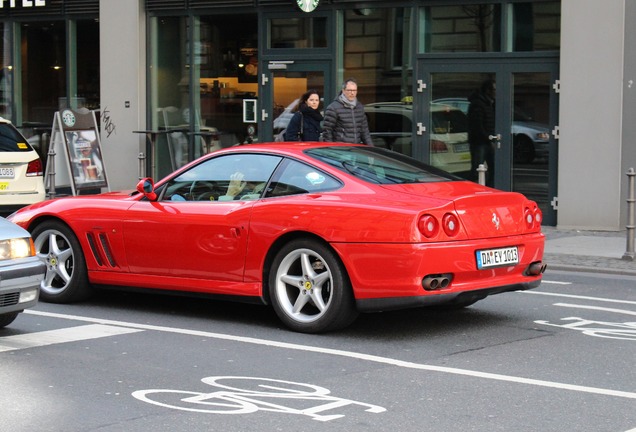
{"x":543,"y":136}
{"x":16,"y":248}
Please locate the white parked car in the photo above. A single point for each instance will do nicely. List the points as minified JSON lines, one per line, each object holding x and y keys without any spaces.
{"x":391,"y":125}
{"x":21,"y":172}
{"x":21,"y":272}
{"x":530,"y":139}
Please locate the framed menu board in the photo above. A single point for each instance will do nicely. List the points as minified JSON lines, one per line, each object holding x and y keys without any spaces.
{"x":75,"y":133}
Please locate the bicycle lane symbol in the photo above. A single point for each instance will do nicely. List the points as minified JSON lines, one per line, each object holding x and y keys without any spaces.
{"x":601,"y":329}
{"x":262,"y":394}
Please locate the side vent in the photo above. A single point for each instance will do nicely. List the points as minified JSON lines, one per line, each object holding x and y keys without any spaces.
{"x":96,"y":255}
{"x":103,"y":239}
{"x":101,"y":250}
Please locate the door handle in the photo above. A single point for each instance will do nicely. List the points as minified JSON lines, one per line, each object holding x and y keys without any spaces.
{"x":496,"y":138}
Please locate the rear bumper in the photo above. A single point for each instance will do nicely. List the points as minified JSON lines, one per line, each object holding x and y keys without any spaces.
{"x":393,"y":274}
{"x":14,"y":201}
{"x":20,"y":284}
{"x":394,"y":303}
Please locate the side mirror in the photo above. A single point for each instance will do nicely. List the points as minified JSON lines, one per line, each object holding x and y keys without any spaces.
{"x":147,"y":188}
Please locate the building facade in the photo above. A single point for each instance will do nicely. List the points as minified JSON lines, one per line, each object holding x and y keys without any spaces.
{"x":202,"y":74}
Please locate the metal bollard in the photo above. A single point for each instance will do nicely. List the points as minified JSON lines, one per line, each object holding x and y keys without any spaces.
{"x":51,"y":171}
{"x":481,"y":174}
{"x":629,"y":254}
{"x":142,"y":165}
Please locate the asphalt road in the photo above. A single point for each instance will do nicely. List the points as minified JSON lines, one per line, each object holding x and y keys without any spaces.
{"x":559,"y":358}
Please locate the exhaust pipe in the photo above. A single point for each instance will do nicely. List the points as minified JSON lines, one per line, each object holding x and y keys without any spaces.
{"x":436,"y":281}
{"x":536,"y":268}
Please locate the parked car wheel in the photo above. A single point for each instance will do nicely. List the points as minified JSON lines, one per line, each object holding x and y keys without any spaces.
{"x":8,"y":318}
{"x":309,"y":288}
{"x":66,"y":278}
{"x":523,"y":149}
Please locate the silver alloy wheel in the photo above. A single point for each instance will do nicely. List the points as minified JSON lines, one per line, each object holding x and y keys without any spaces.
{"x":55,"y":250}
{"x":304,"y":285}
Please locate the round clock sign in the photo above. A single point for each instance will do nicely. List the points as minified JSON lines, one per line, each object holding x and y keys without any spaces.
{"x":68,"y":118}
{"x":307,"y":5}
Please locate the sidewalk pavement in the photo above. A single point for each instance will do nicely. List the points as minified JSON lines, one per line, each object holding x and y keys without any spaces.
{"x":592,"y":251}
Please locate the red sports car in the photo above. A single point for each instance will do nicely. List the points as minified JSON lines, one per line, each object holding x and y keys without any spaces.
{"x":320,"y":231}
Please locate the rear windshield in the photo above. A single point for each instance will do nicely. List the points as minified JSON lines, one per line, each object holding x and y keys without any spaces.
{"x":380,"y":166}
{"x":11,"y":140}
{"x":449,"y":121}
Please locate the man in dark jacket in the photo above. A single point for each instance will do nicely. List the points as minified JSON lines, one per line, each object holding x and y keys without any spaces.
{"x":345,"y":120}
{"x":481,"y":129}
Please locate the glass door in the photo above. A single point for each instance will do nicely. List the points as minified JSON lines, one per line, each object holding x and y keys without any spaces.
{"x":283,"y":83}
{"x":507,"y":111}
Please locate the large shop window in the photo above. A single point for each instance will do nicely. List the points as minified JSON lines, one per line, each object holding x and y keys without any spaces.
{"x":6,"y":73}
{"x":202,"y":68}
{"x":533,"y":26}
{"x":536,"y":26}
{"x":43,"y":53}
{"x":298,"y":32}
{"x":377,"y":54}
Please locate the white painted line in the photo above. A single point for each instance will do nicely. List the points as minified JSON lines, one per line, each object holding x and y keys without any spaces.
{"x":69,"y":334}
{"x":621,"y":311}
{"x":348,"y":354}
{"x":555,"y":282}
{"x":600,"y":299}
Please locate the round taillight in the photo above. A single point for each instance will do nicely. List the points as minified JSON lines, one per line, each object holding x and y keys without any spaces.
{"x":533,"y":217}
{"x":428,"y":225}
{"x":450,"y":224}
{"x":529,"y":217}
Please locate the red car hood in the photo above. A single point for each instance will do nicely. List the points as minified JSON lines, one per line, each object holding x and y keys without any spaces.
{"x":483,"y":212}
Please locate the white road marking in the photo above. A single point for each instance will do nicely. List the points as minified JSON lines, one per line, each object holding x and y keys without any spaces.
{"x":600,"y":299}
{"x":69,"y":334}
{"x":622,"y":311}
{"x":347,"y":354}
{"x":555,"y":282}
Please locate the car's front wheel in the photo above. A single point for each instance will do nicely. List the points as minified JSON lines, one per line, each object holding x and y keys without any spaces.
{"x":8,"y":318}
{"x":310,"y":289}
{"x":66,"y":278}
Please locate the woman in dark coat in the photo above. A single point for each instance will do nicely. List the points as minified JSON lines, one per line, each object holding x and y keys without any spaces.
{"x":311,"y":128}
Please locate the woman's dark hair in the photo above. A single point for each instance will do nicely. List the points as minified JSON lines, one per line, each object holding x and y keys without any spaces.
{"x":305,"y":96}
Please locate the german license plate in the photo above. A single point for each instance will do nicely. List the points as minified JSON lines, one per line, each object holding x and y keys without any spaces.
{"x":497,"y":257}
{"x":4,"y":186}
{"x":7,"y":172}
{"x":461,"y":148}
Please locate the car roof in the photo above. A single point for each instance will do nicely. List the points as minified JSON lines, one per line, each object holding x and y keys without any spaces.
{"x":285,"y":146}
{"x":386,"y":106}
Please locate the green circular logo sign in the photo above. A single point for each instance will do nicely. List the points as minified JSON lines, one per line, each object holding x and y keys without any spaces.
{"x":68,"y":118}
{"x":307,"y":5}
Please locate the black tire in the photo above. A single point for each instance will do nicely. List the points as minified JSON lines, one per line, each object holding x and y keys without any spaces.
{"x":523,"y":149}
{"x":309,"y":288}
{"x":8,"y":318}
{"x":66,"y":278}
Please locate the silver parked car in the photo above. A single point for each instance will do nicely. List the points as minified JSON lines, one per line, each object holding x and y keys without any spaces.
{"x":530,"y":139}
{"x":21,"y":272}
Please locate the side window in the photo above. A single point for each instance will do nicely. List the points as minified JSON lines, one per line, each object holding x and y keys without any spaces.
{"x":298,"y":178}
{"x":223,"y":178}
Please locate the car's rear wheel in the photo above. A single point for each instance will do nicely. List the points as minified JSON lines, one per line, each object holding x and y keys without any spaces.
{"x":66,"y":278}
{"x":523,"y":149}
{"x":8,"y":318}
{"x":309,"y":288}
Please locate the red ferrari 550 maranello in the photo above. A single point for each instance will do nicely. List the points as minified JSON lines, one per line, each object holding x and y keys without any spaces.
{"x":320,"y":231}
